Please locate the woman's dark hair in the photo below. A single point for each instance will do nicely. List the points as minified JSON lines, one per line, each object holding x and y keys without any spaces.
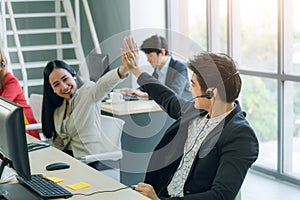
{"x":217,"y":71}
{"x":51,"y":100}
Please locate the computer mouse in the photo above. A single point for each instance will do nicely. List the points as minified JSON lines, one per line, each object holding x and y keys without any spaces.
{"x":57,"y":165}
{"x":133,"y":186}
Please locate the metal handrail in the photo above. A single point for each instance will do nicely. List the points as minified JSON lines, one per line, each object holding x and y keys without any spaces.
{"x":18,"y":45}
{"x":17,"y":40}
{"x":91,"y":25}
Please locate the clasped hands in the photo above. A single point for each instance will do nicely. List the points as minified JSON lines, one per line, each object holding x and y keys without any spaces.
{"x":130,"y":56}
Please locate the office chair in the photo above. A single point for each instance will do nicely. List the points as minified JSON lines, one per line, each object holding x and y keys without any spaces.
{"x":114,"y":128}
{"x":35,"y":102}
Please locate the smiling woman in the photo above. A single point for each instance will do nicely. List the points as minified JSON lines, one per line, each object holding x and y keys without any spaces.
{"x":71,"y":109}
{"x":62,"y":83}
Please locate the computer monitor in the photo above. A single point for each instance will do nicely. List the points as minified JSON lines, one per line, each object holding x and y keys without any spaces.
{"x":98,"y":65}
{"x":13,"y":143}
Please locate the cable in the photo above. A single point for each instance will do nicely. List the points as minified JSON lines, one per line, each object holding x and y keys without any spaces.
{"x":104,"y":191}
{"x":195,"y":141}
{"x":185,"y":154}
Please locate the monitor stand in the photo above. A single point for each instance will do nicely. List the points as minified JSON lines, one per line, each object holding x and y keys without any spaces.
{"x":16,"y":191}
{"x":3,"y":164}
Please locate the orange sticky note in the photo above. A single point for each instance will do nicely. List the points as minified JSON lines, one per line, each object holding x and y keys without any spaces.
{"x":78,"y":186}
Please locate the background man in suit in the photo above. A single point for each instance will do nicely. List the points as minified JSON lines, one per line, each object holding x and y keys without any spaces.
{"x":167,"y":70}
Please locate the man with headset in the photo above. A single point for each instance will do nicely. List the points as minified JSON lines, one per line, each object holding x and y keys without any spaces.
{"x":208,"y":150}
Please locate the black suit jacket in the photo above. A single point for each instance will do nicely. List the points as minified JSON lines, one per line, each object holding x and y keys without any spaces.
{"x":177,"y":79}
{"x":223,"y":159}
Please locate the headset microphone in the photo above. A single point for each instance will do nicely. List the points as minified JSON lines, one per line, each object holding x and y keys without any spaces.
{"x":208,"y":95}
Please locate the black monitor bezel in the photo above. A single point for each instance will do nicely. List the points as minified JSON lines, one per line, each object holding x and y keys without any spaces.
{"x":13,"y":143}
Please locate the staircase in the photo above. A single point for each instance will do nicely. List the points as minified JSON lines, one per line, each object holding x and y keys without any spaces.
{"x":35,"y":32}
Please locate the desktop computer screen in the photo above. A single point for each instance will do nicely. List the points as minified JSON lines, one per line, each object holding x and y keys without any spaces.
{"x":14,"y":152}
{"x":98,"y":65}
{"x":13,"y":143}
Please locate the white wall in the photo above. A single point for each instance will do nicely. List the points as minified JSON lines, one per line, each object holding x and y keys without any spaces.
{"x":146,"y":18}
{"x":147,"y":14}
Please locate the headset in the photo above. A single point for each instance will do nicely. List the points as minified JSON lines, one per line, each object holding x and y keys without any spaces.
{"x":67,"y":67}
{"x":208,"y":94}
{"x":73,"y":72}
{"x":3,"y":63}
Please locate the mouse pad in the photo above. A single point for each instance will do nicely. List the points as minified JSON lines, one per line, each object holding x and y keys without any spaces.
{"x":16,"y":192}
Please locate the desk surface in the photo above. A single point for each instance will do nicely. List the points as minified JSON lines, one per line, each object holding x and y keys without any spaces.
{"x":130,"y":107}
{"x":79,"y":172}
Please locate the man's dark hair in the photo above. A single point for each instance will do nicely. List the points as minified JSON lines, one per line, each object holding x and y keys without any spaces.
{"x":155,"y":43}
{"x":217,"y":71}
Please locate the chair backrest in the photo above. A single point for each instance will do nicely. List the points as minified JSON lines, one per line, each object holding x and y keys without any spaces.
{"x":35,"y":102}
{"x":113,"y":127}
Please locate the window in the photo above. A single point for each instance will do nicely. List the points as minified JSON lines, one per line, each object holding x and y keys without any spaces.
{"x":259,"y":100}
{"x":258,"y":32}
{"x":189,"y":18}
{"x":264,"y":38}
{"x":291,"y":144}
{"x":292,"y":42}
{"x":197,"y":22}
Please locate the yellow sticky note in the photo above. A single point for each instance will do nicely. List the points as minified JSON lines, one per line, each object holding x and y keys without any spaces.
{"x":54,"y":179}
{"x":78,"y":186}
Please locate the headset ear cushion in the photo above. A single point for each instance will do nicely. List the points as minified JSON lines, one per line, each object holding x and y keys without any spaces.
{"x":74,"y":74}
{"x":209,"y":94}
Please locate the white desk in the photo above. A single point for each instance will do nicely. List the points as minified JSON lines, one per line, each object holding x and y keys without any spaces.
{"x":79,"y":172}
{"x":145,"y":124}
{"x":130,"y":107}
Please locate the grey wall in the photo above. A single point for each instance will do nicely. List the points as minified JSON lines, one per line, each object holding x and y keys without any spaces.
{"x":111,"y":18}
{"x":112,"y":22}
